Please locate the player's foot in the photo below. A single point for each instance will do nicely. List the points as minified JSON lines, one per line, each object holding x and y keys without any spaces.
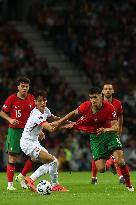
{"x":30,"y":184}
{"x":94,"y":180}
{"x":21,"y":180}
{"x":113,"y":169}
{"x":130,"y":188}
{"x":59,"y":187}
{"x":122,"y":180}
{"x":11,"y":188}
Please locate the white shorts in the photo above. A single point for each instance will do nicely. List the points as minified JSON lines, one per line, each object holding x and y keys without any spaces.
{"x":31,"y":149}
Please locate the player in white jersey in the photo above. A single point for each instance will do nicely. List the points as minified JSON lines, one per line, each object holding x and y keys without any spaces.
{"x":31,"y":147}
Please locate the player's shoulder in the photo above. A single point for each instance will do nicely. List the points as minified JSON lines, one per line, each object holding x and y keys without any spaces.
{"x":12,"y":97}
{"x":30,"y":96}
{"x":116,"y":101}
{"x":107,"y":104}
{"x":47,"y":110}
{"x":35,"y":111}
{"x":86,"y":103}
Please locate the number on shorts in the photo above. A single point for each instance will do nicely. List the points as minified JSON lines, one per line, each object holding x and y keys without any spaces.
{"x":118,"y":141}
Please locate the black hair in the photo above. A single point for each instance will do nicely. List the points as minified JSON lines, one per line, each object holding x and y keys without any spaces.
{"x":42,"y":93}
{"x":95,"y":90}
{"x":22,"y":79}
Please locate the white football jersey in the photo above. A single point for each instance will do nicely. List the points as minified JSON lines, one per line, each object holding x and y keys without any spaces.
{"x":33,"y":125}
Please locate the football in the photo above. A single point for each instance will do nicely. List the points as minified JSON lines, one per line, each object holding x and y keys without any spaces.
{"x":44,"y":187}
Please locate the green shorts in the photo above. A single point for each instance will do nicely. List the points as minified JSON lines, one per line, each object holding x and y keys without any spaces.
{"x":103,"y":145}
{"x":13,"y":140}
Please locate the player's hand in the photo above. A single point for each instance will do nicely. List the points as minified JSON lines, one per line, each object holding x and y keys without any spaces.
{"x":69,"y":125}
{"x":14,"y":122}
{"x":100,"y":131}
{"x":41,"y":136}
{"x":55,"y":123}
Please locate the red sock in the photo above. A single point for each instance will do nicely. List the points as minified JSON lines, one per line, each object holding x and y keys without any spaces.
{"x":126,"y":175}
{"x":119,"y":170}
{"x":27,"y":167}
{"x":10,"y":172}
{"x":109,"y":162}
{"x":94,"y":169}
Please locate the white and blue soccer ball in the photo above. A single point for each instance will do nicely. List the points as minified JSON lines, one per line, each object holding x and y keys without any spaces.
{"x":44,"y":187}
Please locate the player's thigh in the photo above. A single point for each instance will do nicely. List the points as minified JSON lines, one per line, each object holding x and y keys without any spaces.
{"x":113,"y":142}
{"x":119,"y":156}
{"x":99,"y":147}
{"x":37,"y":152}
{"x":13,"y":140}
{"x":45,"y":156}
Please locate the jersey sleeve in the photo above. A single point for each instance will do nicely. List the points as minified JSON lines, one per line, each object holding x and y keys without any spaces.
{"x":7,"y":105}
{"x":49,"y":114}
{"x":83,"y":108}
{"x":37,"y":118}
{"x":40,"y":120}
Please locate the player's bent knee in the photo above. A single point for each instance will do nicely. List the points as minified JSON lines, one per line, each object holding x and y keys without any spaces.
{"x":12,"y":158}
{"x":101,"y":169}
{"x":120,"y":162}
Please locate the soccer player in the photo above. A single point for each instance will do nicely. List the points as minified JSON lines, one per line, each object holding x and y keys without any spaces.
{"x":98,"y":117}
{"x":108,"y":92}
{"x":31,"y":147}
{"x":16,"y":111}
{"x":29,"y":163}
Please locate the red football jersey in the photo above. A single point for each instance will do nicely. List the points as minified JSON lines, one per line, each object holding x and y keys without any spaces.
{"x":118,"y":106}
{"x":90,"y":122}
{"x":19,"y":109}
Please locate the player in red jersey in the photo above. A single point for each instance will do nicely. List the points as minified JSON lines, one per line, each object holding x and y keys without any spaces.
{"x":16,"y":111}
{"x":108,"y":92}
{"x":98,"y":117}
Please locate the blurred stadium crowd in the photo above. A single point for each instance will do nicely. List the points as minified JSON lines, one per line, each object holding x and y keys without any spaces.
{"x":98,"y":37}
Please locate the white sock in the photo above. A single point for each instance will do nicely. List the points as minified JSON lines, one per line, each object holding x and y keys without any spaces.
{"x":53,"y":171}
{"x":120,"y":176}
{"x":43,"y":169}
{"x":10,"y":184}
{"x":20,"y":175}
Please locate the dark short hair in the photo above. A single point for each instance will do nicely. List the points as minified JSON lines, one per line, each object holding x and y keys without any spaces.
{"x":42,"y":93}
{"x":23,"y":79}
{"x":107,"y":83}
{"x":95,"y":90}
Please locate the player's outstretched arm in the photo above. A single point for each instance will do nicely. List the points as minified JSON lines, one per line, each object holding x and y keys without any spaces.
{"x":69,"y":116}
{"x":68,"y":125}
{"x":50,"y":127}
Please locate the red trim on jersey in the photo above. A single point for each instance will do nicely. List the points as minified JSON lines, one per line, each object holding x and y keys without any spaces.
{"x":42,"y":123}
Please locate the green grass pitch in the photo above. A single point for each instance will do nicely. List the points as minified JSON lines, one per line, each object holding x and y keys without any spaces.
{"x":108,"y":191}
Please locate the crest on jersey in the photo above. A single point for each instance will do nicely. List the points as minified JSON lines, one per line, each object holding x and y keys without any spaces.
{"x":5,"y":106}
{"x":114,"y":114}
